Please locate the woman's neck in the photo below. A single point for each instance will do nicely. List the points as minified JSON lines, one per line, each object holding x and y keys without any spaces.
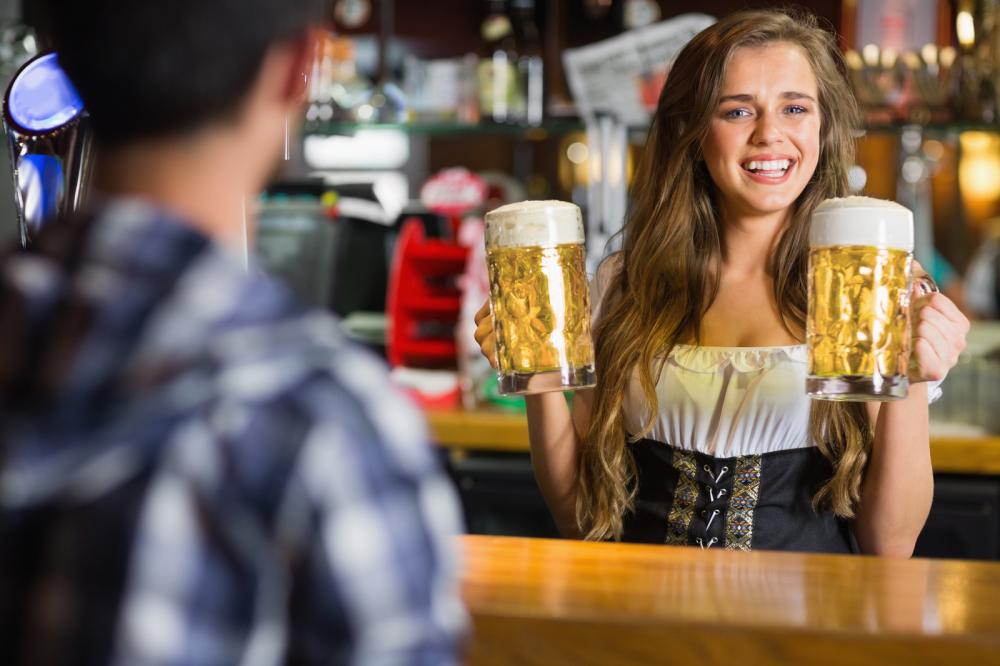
{"x":748,"y":241}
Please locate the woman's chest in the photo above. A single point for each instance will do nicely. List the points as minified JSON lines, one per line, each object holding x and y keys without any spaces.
{"x":744,"y":316}
{"x":726,"y":401}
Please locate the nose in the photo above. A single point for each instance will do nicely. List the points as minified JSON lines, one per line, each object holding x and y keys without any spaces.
{"x":766,"y":131}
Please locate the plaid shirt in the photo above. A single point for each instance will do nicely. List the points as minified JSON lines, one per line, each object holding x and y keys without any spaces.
{"x":195,"y":470}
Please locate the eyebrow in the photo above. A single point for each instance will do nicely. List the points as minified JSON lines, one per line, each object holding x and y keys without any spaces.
{"x":791,"y":94}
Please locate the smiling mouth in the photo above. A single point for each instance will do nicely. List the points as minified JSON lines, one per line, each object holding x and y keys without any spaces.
{"x":768,"y":168}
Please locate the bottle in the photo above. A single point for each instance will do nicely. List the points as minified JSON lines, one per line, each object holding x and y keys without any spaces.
{"x":530,"y":63}
{"x":498,"y":78}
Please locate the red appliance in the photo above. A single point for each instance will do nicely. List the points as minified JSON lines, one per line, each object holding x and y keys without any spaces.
{"x":424,"y":299}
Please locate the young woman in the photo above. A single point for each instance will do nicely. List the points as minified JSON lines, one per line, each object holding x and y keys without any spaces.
{"x":699,"y":431}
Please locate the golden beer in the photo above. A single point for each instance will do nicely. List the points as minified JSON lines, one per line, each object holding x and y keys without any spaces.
{"x":859,"y":323}
{"x":858,"y":327}
{"x":539,"y":296}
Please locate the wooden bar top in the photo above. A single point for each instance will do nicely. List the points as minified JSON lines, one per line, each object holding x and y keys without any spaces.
{"x":537,"y":601}
{"x":494,"y":430}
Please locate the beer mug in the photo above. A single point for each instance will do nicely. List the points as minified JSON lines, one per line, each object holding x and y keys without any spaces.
{"x":858,"y":323}
{"x":538,"y":293}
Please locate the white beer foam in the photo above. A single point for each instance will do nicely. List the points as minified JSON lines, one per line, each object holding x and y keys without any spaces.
{"x":533,"y":223}
{"x":862,"y":221}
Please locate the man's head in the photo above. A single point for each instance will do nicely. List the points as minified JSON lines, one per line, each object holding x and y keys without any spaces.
{"x":156,"y":69}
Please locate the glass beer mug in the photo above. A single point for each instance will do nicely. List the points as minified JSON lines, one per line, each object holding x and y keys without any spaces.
{"x":538,"y":293}
{"x":858,"y":323}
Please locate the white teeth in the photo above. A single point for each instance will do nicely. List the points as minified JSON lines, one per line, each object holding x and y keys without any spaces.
{"x":768,"y":165}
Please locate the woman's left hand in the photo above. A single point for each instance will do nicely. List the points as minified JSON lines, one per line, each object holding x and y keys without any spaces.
{"x":938,"y":336}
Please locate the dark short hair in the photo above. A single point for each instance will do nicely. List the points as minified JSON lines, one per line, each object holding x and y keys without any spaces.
{"x":157,"y":68}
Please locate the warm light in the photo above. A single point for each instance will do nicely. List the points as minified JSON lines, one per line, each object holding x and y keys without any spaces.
{"x":870,"y":54}
{"x":933,"y":150}
{"x":853,"y":59}
{"x":583,"y":164}
{"x":573,"y":173}
{"x":577,"y":153}
{"x":965,"y":28}
{"x":947,"y":56}
{"x":979,"y":169}
{"x":930,"y":53}
{"x":888,"y":58}
{"x":912,"y":60}
{"x":975,"y":142}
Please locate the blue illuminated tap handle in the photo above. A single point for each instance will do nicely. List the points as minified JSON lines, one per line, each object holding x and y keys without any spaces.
{"x":49,"y":142}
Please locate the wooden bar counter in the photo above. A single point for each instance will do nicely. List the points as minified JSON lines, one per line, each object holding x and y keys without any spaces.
{"x":494,"y":430}
{"x":536,"y":601}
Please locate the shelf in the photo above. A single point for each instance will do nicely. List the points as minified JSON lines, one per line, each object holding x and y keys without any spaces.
{"x":539,"y":133}
{"x":933,"y":128}
{"x":567,"y":125}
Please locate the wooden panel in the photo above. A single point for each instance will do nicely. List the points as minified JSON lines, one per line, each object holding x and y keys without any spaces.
{"x":548,"y":602}
{"x":504,"y":431}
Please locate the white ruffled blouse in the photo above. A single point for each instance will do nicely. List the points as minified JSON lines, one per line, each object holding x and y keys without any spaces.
{"x":722,"y":401}
{"x":727,"y":401}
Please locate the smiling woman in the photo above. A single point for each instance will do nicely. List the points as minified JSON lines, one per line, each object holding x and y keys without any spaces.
{"x":763,"y":144}
{"x":699,"y":431}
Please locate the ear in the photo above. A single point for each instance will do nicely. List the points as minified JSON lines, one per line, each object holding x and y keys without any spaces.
{"x":301,"y":55}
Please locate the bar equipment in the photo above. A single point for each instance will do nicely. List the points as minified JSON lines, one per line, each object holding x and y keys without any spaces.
{"x":49,"y":142}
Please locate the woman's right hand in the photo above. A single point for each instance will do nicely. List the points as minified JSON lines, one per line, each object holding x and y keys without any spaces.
{"x":485,"y":336}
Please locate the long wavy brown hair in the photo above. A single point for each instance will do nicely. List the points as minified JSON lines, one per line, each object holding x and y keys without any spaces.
{"x":671,"y":251}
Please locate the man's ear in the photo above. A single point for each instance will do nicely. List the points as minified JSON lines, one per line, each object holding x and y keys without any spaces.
{"x":303,"y":52}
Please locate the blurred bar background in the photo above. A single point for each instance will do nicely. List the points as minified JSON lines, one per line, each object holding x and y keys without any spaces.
{"x":429,"y":114}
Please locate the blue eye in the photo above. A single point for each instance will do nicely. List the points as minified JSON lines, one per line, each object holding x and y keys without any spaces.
{"x":736,"y":113}
{"x":795,"y":109}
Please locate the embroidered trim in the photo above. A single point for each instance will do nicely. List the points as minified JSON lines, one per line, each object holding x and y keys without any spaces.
{"x":685,"y":496}
{"x":742,"y":359}
{"x":739,"y":517}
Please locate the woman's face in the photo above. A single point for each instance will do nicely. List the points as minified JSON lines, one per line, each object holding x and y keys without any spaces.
{"x":763,"y":142}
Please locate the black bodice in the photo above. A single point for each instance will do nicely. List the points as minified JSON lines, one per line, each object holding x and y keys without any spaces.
{"x":744,"y":503}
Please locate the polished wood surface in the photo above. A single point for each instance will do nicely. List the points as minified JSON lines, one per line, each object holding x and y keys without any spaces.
{"x":536,"y":601}
{"x":493,"y":430}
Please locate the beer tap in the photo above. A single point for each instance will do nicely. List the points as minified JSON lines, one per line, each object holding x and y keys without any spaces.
{"x":49,"y":141}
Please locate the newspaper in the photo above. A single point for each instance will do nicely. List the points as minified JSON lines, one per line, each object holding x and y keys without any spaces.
{"x":623,"y":75}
